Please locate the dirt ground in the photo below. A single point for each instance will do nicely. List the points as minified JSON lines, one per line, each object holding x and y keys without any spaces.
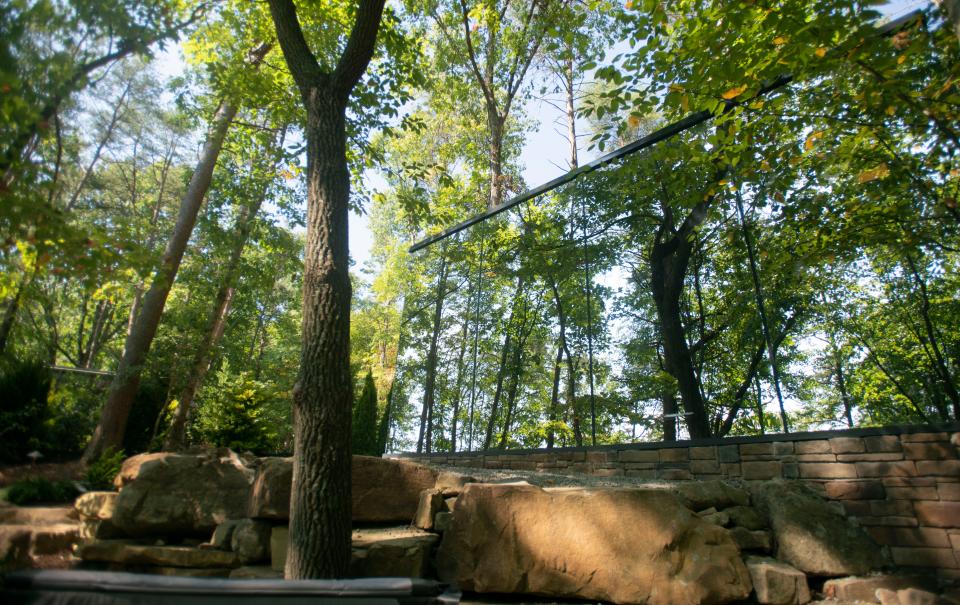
{"x":52,"y":471}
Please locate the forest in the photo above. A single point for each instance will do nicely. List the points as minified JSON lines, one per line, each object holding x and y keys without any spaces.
{"x":789,"y":262}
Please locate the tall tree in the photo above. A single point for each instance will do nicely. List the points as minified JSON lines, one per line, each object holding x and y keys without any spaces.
{"x":495,"y":43}
{"x":113,"y":419}
{"x":320,"y":503}
{"x":221,"y":306}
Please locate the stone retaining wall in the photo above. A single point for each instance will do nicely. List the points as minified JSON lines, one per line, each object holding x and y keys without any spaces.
{"x":901,"y":483}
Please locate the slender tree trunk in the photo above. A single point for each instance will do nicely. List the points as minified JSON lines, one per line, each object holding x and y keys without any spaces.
{"x":844,"y":396}
{"x":940,"y":363}
{"x":496,"y":125}
{"x":113,"y":420}
{"x":760,"y":414}
{"x":320,"y":503}
{"x":568,"y":81}
{"x":459,"y":389}
{"x":562,"y":349}
{"x":217,"y":322}
{"x":498,"y":392}
{"x":114,"y":118}
{"x":554,"y":395}
{"x":515,"y":372}
{"x":761,"y":309}
{"x":101,"y":319}
{"x":176,"y":435}
{"x":430,"y":382}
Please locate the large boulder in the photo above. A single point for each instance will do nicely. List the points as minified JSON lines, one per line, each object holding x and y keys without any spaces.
{"x":180,"y":495}
{"x":813,"y":536}
{"x":384,"y":490}
{"x":270,"y":496}
{"x":250,"y":539}
{"x":619,"y":545}
{"x":699,"y":495}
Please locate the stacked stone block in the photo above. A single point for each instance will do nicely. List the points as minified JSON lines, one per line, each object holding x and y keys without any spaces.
{"x":903,"y":486}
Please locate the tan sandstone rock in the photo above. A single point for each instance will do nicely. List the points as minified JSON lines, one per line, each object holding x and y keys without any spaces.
{"x":619,"y":545}
{"x":127,"y":554}
{"x":700,"y":495}
{"x":908,"y":596}
{"x":96,"y":505}
{"x":180,"y":495}
{"x":864,"y":588}
{"x":452,"y":483}
{"x":384,"y":490}
{"x":431,"y":503}
{"x":812,"y":536}
{"x":777,"y":583}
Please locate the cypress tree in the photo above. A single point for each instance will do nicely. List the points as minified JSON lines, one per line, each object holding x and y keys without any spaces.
{"x":383,"y":432}
{"x":365,"y":434}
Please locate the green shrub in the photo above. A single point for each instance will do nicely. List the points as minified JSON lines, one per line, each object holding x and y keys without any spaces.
{"x":238,"y":412}
{"x":74,"y":406}
{"x":101,"y":471}
{"x":23,"y":407}
{"x":41,"y":491}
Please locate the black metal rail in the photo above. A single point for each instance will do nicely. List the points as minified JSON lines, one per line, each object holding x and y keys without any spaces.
{"x":690,"y":121}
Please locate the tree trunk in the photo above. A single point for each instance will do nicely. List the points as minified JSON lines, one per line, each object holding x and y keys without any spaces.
{"x":512,"y":391}
{"x":320,"y":503}
{"x":496,"y":125}
{"x":176,"y":435}
{"x":498,"y":392}
{"x":217,"y":323}
{"x":668,"y":259}
{"x":459,"y":391}
{"x":939,"y":362}
{"x":554,"y":395}
{"x":760,"y":415}
{"x":562,"y":349}
{"x":113,"y":419}
{"x":761,"y":309}
{"x":430,"y":382}
{"x":667,"y":272}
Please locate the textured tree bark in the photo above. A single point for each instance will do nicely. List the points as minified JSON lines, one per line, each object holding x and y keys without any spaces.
{"x":113,"y":419}
{"x":320,"y":503}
